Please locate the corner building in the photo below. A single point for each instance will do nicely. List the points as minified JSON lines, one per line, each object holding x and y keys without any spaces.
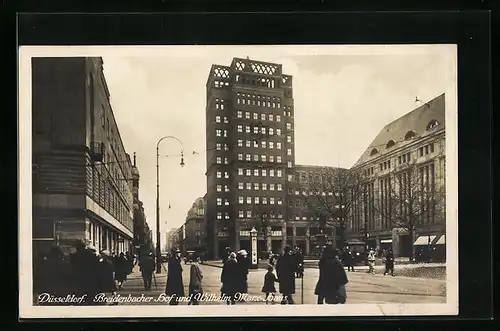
{"x":250,"y":154}
{"x":82,"y":175}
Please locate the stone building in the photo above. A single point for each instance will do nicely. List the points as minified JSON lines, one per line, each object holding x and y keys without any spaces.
{"x":82,"y":175}
{"x":195,"y":227}
{"x":401,"y":202}
{"x":250,"y":153}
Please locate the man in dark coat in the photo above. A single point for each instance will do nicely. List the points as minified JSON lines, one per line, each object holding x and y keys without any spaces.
{"x":332,"y":279}
{"x":54,"y":276}
{"x":229,"y":279}
{"x":285,"y":269}
{"x":84,"y":272}
{"x":105,"y":271}
{"x":175,"y":285}
{"x":389,"y":263}
{"x":147,"y":267}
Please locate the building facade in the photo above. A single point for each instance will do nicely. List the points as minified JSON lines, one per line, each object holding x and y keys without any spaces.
{"x":195,"y":226}
{"x":401,"y":201}
{"x":250,"y":153}
{"x":82,"y":175}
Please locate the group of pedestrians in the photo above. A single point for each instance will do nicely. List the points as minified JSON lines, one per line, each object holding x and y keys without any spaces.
{"x":234,"y":275}
{"x":86,"y":272}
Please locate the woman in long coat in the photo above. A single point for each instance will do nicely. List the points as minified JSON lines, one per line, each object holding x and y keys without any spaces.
{"x":195,"y":287}
{"x":229,"y":279}
{"x":285,"y":269}
{"x":121,"y":269}
{"x":175,"y":285}
{"x":332,"y":279}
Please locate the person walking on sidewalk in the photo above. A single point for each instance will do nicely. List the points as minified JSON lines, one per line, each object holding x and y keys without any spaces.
{"x":106,"y":282}
{"x":195,"y":286}
{"x":229,"y":279}
{"x":371,"y":262}
{"x":121,"y":270}
{"x":389,"y":263}
{"x":147,"y":267}
{"x":175,"y":285}
{"x":268,"y":288}
{"x":285,"y":268}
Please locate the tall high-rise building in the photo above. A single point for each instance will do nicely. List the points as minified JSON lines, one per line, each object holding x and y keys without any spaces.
{"x":250,"y":154}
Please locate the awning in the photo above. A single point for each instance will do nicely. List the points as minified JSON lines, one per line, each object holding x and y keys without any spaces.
{"x":386,"y":241}
{"x":424,"y":240}
{"x":441,"y":241}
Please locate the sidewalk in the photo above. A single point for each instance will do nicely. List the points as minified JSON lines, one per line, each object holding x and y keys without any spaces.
{"x":134,"y":284}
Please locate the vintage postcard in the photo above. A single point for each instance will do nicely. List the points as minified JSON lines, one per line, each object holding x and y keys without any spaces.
{"x":198,"y":181}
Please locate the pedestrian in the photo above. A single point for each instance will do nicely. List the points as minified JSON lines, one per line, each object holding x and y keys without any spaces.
{"x":227,"y":252}
{"x":269,"y":289}
{"x":54,"y":275}
{"x":319,"y":291}
{"x":340,"y":279}
{"x":371,"y":262}
{"x":229,"y":277}
{"x":243,"y":266}
{"x":285,"y":269}
{"x":84,"y":273}
{"x":147,"y":267}
{"x":195,"y":284}
{"x":348,"y":259}
{"x":389,"y":263}
{"x":121,"y":269}
{"x":105,"y":272}
{"x":175,"y":285}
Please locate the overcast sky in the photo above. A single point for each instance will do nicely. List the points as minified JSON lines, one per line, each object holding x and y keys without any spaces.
{"x":343,"y":97}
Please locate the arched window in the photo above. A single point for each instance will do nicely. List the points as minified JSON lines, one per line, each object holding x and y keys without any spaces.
{"x":390,"y":143}
{"x":410,"y":134}
{"x":373,"y":152}
{"x":432,"y":124}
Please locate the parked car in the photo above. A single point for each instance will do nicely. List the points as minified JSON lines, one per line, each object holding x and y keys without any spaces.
{"x":164,"y":257}
{"x":191,"y":256}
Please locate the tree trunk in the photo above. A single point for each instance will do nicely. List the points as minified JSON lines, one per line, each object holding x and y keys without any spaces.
{"x":410,"y":242}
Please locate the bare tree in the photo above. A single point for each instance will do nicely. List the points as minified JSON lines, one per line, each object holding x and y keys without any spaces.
{"x":330,"y":198}
{"x":408,"y":198}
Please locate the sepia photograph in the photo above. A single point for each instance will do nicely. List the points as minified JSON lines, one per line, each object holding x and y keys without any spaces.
{"x":311,"y":180}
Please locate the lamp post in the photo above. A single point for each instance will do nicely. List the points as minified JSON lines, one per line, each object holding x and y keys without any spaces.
{"x":158,"y":241}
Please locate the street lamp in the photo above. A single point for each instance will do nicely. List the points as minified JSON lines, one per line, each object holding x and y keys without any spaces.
{"x":158,"y":242}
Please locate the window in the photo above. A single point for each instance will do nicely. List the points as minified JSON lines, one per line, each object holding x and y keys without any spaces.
{"x":217,"y":119}
{"x":256,"y":157}
{"x":247,"y":115}
{"x":219,"y":174}
{"x":226,"y":202}
{"x":249,"y":213}
{"x":279,"y":173}
{"x":248,"y":157}
{"x":288,"y":126}
{"x":271,"y":173}
{"x":249,"y":200}
{"x":226,"y":175}
{"x":239,"y":114}
{"x":249,"y":186}
{"x":280,"y":201}
{"x":278,"y":132}
{"x":289,"y":151}
{"x":218,"y":133}
{"x":240,"y":157}
{"x":271,"y":187}
{"x":256,"y":200}
{"x":264,"y":187}
{"x":432,"y":124}
{"x":288,"y":139}
{"x":255,"y":116}
{"x":226,"y":216}
{"x":271,"y":200}
{"x":226,"y":148}
{"x":290,"y":178}
{"x":271,"y":143}
{"x":219,"y":216}
{"x":271,"y":158}
{"x":373,"y":152}
{"x":280,"y":187}
{"x":240,"y":171}
{"x":226,"y":188}
{"x":247,"y":129}
{"x":264,"y":200}
{"x":219,"y":188}
{"x":278,"y":118}
{"x":390,"y":144}
{"x":297,"y":203}
{"x":240,"y":186}
{"x":278,"y":145}
{"x":278,"y":159}
{"x":218,"y":147}
{"x":410,"y":134}
{"x":248,"y":143}
{"x":271,"y":117}
{"x":219,"y":160}
{"x":264,"y":172}
{"x":240,"y":214}
{"x":255,"y":144}
{"x":263,"y":130}
{"x":219,"y":201}
{"x":263,"y":158}
{"x":262,"y":116}
{"x":263,"y":144}
{"x":256,"y":186}
{"x":289,"y":164}
{"x":255,"y":129}
{"x":271,"y":131}
{"x":225,"y":133}
{"x":240,"y":128}
{"x":249,"y":172}
{"x":256,"y":172}
{"x":240,"y":143}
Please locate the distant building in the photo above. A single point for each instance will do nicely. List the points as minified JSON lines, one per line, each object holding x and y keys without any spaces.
{"x":250,"y":152}
{"x":403,"y":172}
{"x":82,"y":175}
{"x":142,"y":240}
{"x":195,"y":226}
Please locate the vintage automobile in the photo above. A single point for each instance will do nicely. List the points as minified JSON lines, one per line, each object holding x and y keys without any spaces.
{"x":359,"y":252}
{"x":191,"y":256}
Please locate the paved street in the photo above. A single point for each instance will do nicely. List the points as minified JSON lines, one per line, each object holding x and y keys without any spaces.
{"x":362,"y":287}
